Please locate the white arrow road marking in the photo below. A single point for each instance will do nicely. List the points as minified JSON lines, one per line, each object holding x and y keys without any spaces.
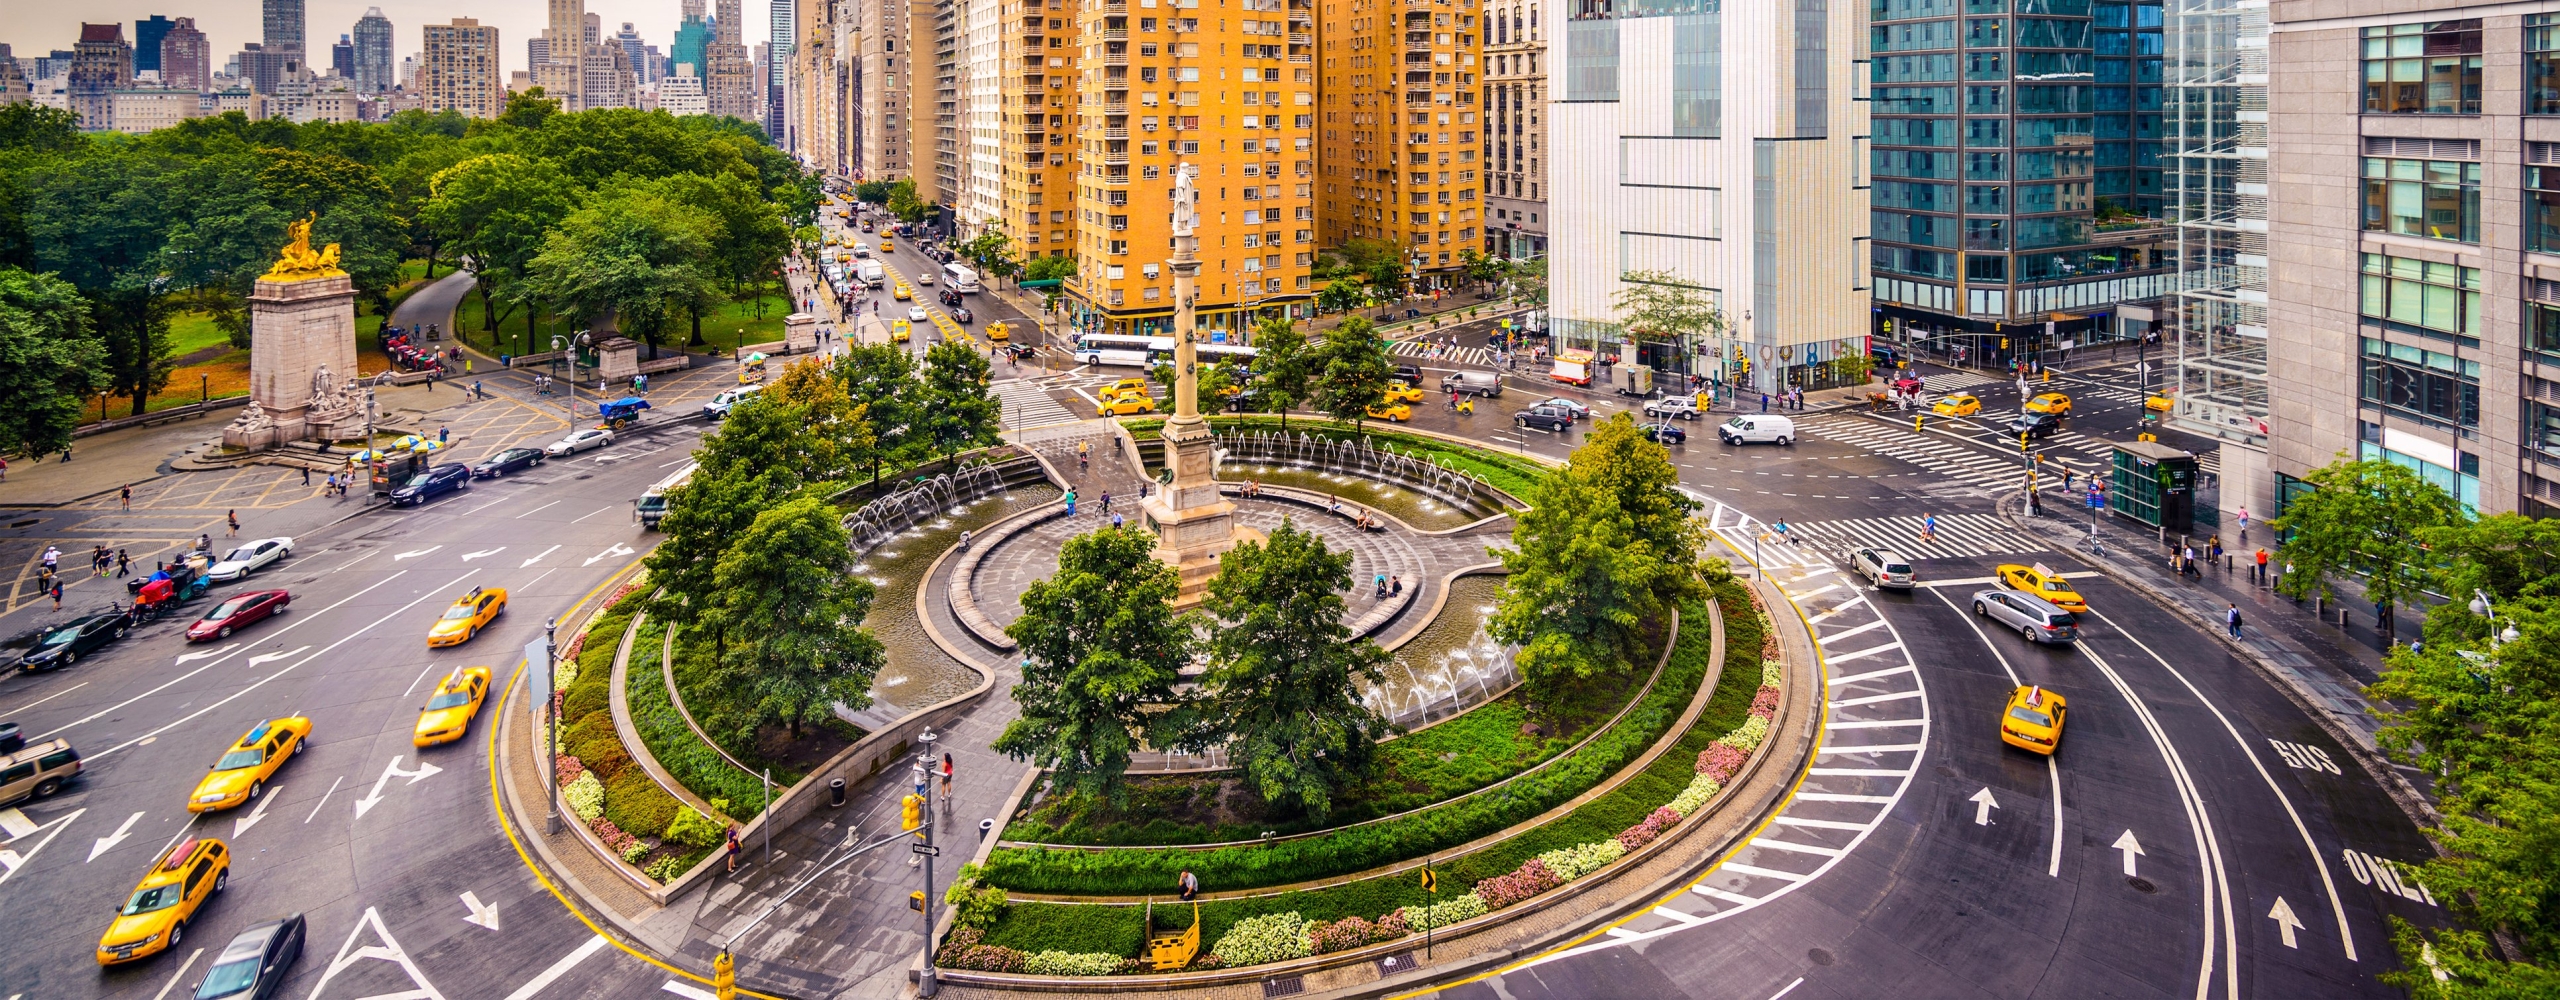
{"x":468,"y":556}
{"x":483,"y":915}
{"x":184,"y":660}
{"x":11,"y":860}
{"x":104,"y":844}
{"x":1983,"y":803}
{"x":388,"y":951}
{"x":412,"y":555}
{"x":2285,"y":921}
{"x":390,"y":771}
{"x":2132,"y":849}
{"x":265,"y":799}
{"x":689,"y":992}
{"x":538,"y":556}
{"x":618,"y":549}
{"x":272,"y":657}
{"x":557,"y":969}
{"x":16,"y":824}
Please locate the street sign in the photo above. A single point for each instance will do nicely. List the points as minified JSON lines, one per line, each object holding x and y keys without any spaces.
{"x":537,"y":662}
{"x":928,"y":850}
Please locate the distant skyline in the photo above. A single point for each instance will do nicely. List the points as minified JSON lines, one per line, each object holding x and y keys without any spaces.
{"x":34,"y":28}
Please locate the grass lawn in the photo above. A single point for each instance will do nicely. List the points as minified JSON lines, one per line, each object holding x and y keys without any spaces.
{"x":736,"y":323}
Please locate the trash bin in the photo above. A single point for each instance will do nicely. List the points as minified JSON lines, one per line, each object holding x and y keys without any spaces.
{"x":985,"y":827}
{"x":835,"y":792}
{"x":506,"y":361}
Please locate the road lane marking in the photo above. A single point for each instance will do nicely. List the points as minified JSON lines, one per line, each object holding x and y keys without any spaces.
{"x":1839,"y":750}
{"x":11,"y":861}
{"x":688,"y":992}
{"x":174,"y":977}
{"x":1847,"y":632}
{"x":482,"y":914}
{"x":2208,"y":845}
{"x":108,"y":843}
{"x":536,"y":510}
{"x":1789,"y":988}
{"x":267,"y":798}
{"x":422,"y":677}
{"x":289,"y":668}
{"x":483,"y":553}
{"x":558,"y":969}
{"x":595,"y":512}
{"x":1711,"y":892}
{"x":413,"y":555}
{"x":22,"y":708}
{"x":1828,"y":852}
{"x":1755,"y":870}
{"x":324,"y":800}
{"x":537,"y":557}
{"x":16,"y":824}
{"x":348,"y":563}
{"x":1873,"y":674}
{"x":1869,"y":651}
{"x":388,"y":951}
{"x":486,"y":506}
{"x":390,"y":771}
{"x":1873,"y":699}
{"x":298,"y":622}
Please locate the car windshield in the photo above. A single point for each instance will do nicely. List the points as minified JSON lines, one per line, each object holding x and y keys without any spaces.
{"x":2057,"y":586}
{"x":2030,"y":716}
{"x":226,"y":609}
{"x":458,"y":612}
{"x":418,"y":480}
{"x":158,"y":897}
{"x":63,"y":636}
{"x":238,"y":759}
{"x":449,"y":699}
{"x":228,"y":978}
{"x":241,"y":554}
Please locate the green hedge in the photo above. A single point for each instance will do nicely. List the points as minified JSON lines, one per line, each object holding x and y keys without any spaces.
{"x":693,"y":764}
{"x":1486,"y":745}
{"x":632,"y":800}
{"x":1138,"y":872}
{"x":1509,"y":473}
{"x":1037,"y":926}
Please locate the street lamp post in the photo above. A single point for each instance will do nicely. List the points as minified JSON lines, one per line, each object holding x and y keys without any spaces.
{"x":550,"y":735}
{"x":926,"y":983}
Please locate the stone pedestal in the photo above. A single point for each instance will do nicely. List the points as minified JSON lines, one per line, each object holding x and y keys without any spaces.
{"x":617,"y":359}
{"x":799,"y":334}
{"x":297,"y":326}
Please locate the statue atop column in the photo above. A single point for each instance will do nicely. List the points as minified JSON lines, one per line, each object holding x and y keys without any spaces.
{"x":1186,"y":200}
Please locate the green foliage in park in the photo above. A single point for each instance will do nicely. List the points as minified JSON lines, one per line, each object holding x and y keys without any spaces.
{"x":1048,"y":268}
{"x":1606,"y":546}
{"x":1349,"y":371}
{"x":2359,"y":518}
{"x":48,"y":363}
{"x":784,"y":596}
{"x":957,"y":407}
{"x":1102,"y":649}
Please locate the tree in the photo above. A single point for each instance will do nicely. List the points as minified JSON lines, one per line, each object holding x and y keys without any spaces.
{"x":1481,"y":269}
{"x":1343,"y":295}
{"x":1284,"y":671}
{"x":48,"y":363}
{"x":636,"y":255}
{"x":1351,"y":371}
{"x":1282,"y":366}
{"x":958,"y":409}
{"x":1101,"y":646}
{"x":1661,"y":306}
{"x":101,"y":223}
{"x":1606,"y":547}
{"x":2363,"y":517}
{"x":717,"y":504}
{"x":881,"y":379}
{"x":872,"y":192}
{"x":2506,"y":555}
{"x":748,"y":236}
{"x":528,"y":109}
{"x":1049,"y":268}
{"x":991,"y":252}
{"x":904,"y":204}
{"x":497,"y":210}
{"x":786,"y":591}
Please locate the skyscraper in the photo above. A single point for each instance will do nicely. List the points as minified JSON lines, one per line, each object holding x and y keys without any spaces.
{"x":373,"y":73}
{"x":101,"y":64}
{"x":728,"y":80}
{"x":186,"y":57}
{"x":778,"y":64}
{"x":1515,"y":109}
{"x":459,"y":69}
{"x":342,"y":58}
{"x":633,"y":50}
{"x":692,"y":34}
{"x":283,"y":37}
{"x":562,"y":73}
{"x":147,"y":34}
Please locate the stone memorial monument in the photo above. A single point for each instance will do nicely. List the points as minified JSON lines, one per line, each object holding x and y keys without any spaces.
{"x":302,"y":328}
{"x":1194,"y":525}
{"x":799,"y":333}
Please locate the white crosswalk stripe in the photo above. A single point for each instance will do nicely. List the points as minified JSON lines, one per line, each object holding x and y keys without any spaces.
{"x":1958,"y":535}
{"x":1027,"y":405}
{"x":1482,"y":356}
{"x":1953,"y":381}
{"x":1964,"y":467}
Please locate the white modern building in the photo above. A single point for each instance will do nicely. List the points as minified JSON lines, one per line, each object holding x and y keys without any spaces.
{"x":1725,"y":148}
{"x":682,"y":94}
{"x":981,"y":200}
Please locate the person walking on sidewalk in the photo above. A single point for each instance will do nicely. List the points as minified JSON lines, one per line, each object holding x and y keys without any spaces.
{"x":732,"y":848}
{"x":306,"y":475}
{"x":2259,"y":576}
{"x":1106,"y":501}
{"x":231,"y":524}
{"x":124,"y":564}
{"x":2231,"y":620}
{"x":946,"y":781}
{"x":124,"y":497}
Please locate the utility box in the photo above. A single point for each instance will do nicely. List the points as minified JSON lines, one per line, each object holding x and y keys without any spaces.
{"x":2155,"y":484}
{"x":1631,"y":380}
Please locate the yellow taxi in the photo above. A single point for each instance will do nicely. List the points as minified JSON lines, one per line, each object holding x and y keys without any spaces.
{"x":2052,"y":402}
{"x":900,"y":330}
{"x":1397,"y":412}
{"x":1958,"y":405}
{"x":902,"y":292}
{"x":2033,"y":720}
{"x":468,"y":616}
{"x":884,"y":245}
{"x":449,"y":710}
{"x":2043,"y":583}
{"x":243,"y":771}
{"x":1399,"y":392}
{"x":2159,"y":402}
{"x":154,"y":919}
{"x":1127,"y":403}
{"x":998,"y":331}
{"x":1124,"y":387}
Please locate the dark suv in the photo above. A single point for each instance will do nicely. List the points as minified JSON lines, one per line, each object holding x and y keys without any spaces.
{"x":1544,"y":418}
{"x":2036,"y":425}
{"x":433,"y":483}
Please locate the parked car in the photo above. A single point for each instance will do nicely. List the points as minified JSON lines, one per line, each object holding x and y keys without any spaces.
{"x":579,"y":440}
{"x":1576,"y":408}
{"x":435,"y":482}
{"x":1545,"y":419}
{"x":256,"y":962}
{"x":719,"y":406}
{"x":510,"y":460}
{"x":1681,"y":407}
{"x":1663,"y":432}
{"x":237,"y":612}
{"x":249,"y":558}
{"x":1884,"y":568}
{"x":71,"y":640}
{"x":1753,"y":428}
{"x":37,"y":771}
{"x":2034,"y":617}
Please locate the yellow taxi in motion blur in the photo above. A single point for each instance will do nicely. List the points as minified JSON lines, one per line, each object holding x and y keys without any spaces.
{"x":902,"y":292}
{"x":1124,"y":387}
{"x":2043,"y":583}
{"x":999,"y":331}
{"x":2032,"y":720}
{"x":2052,"y":402}
{"x":1127,"y":403}
{"x":2160,"y":402}
{"x":449,"y":710}
{"x":154,"y":919}
{"x":1957,"y":405}
{"x":1388,"y":410}
{"x":468,"y":616}
{"x":244,"y":770}
{"x":1399,"y":391}
{"x":900,"y":330}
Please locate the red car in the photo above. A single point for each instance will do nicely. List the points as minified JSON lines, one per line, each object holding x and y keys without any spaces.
{"x":237,"y":611}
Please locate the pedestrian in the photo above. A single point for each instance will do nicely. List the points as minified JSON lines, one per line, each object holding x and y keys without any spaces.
{"x":231,"y":524}
{"x":57,"y":595}
{"x":124,"y":564}
{"x":1381,"y":587}
{"x":946,"y":781}
{"x":2231,"y":620}
{"x":1764,"y":402}
{"x":306,"y":475}
{"x":477,"y":392}
{"x":2187,"y":565}
{"x":1395,"y":586}
{"x":733,"y":848}
{"x":444,"y":434}
{"x":124,"y":497}
{"x":1106,"y":501}
{"x":2260,"y":576}
{"x":1071,"y":503}
{"x":1189,"y":884}
{"x":1115,"y":521}
{"x":4,"y":468}
{"x":1928,"y":527}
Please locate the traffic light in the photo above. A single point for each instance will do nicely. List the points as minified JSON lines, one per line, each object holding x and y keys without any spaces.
{"x":2004,"y":343}
{"x":911,"y":814}
{"x":724,"y":977}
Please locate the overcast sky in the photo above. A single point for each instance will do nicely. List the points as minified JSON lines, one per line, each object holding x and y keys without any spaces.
{"x":36,"y":27}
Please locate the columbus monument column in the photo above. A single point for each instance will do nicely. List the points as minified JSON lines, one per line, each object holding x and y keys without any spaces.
{"x":1194,"y":525}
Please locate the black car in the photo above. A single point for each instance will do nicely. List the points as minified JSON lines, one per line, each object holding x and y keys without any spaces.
{"x":433,"y":483}
{"x":2036,"y":425}
{"x":1410,"y":374}
{"x":1544,"y":418}
{"x":510,"y":460}
{"x":961,"y":314}
{"x":254,"y":965}
{"x":1663,"y":432}
{"x":71,"y":640}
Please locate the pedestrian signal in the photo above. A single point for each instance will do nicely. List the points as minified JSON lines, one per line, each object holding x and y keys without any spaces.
{"x":911,"y":812}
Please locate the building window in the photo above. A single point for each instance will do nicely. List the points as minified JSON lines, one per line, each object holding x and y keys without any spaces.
{"x":2437,"y":199}
{"x":2422,"y":383}
{"x":2542,"y":64}
{"x":2421,"y":296}
{"x":2542,"y":208}
{"x":2427,"y":68}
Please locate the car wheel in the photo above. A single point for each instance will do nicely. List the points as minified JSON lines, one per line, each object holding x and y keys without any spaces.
{"x":177,"y":933}
{"x":69,"y":657}
{"x":256,"y":788}
{"x":225,"y":633}
{"x":1784,"y":441}
{"x":119,"y":632}
{"x":46,"y":788}
{"x":2028,"y":631}
{"x":1979,"y":610}
{"x":222,"y":880}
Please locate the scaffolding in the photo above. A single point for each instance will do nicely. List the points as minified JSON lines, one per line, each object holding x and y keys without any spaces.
{"x":2216,"y":96}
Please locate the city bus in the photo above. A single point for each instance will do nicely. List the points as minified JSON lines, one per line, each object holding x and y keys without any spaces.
{"x":959,"y":277}
{"x":1120,"y":349}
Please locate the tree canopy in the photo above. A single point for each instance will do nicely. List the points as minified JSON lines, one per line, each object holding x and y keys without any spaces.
{"x":1606,"y":549}
{"x":1101,"y":643}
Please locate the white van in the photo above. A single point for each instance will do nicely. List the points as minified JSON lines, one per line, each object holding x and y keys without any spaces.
{"x":961,"y":277}
{"x":1752,"y":428}
{"x":871,"y":273}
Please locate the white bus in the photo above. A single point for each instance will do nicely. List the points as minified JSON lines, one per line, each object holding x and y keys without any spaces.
{"x":1121,"y":349}
{"x":960,"y":277}
{"x":652,"y":505}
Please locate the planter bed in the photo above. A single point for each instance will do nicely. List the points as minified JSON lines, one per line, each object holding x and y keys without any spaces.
{"x":631,"y":803}
{"x":1509,"y":473}
{"x":684,"y":755}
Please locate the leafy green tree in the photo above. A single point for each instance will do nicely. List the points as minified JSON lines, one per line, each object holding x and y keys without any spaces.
{"x":1480,"y":269}
{"x":749,"y":236}
{"x":881,"y":379}
{"x":1285,"y":674}
{"x":1658,"y":305}
{"x":904,"y":204}
{"x":498,"y":210}
{"x":1283,"y":366}
{"x":48,"y":363}
{"x":100,"y":222}
{"x":2363,"y":517}
{"x":2506,"y":555}
{"x":1386,"y":279}
{"x":872,"y":192}
{"x":1343,"y":295}
{"x":1101,"y":648}
{"x":1049,"y":268}
{"x":786,"y":592}
{"x":991,"y":252}
{"x":1350,"y":371}
{"x":528,"y":109}
{"x":958,"y":409}
{"x":635,"y":255}
{"x":1605,"y":548}
{"x":716,"y":505}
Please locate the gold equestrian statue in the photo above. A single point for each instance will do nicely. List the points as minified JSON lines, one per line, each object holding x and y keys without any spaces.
{"x":298,"y":260}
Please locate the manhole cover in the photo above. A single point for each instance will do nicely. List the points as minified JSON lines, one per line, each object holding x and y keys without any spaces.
{"x":2140,"y":884}
{"x":1284,"y":986}
{"x":1819,"y":957}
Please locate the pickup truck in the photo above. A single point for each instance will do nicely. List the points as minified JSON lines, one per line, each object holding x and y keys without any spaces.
{"x":1683,"y":407}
